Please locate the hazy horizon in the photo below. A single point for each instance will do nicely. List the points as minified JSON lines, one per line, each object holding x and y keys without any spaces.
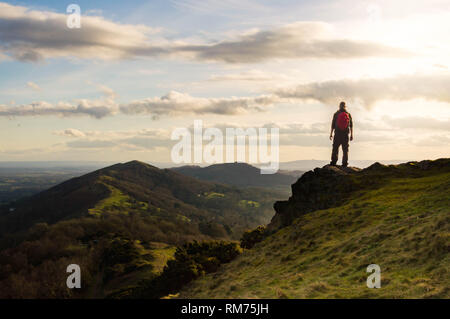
{"x":289,"y":165}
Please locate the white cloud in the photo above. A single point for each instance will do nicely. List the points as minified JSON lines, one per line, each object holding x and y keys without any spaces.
{"x":364,"y":91}
{"x":418,"y":123}
{"x":433,"y":141}
{"x":33,"y":86}
{"x":180,"y":103}
{"x":293,"y":41}
{"x":70,"y":132}
{"x":222,"y":7}
{"x":249,"y":76}
{"x":96,"y":109}
{"x":136,"y":140}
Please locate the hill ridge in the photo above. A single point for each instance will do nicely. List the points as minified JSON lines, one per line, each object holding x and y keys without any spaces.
{"x":239,"y":174}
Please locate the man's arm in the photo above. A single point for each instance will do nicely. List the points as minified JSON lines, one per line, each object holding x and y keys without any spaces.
{"x":351,"y":128}
{"x":332,"y":126}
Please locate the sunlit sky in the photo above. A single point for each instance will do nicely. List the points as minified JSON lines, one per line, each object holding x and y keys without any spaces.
{"x":115,"y":89}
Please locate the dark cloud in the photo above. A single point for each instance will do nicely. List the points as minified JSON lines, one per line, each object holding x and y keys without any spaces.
{"x":32,"y":35}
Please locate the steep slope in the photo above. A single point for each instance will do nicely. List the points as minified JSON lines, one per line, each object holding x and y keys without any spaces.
{"x":238,"y":174}
{"x":336,"y":223}
{"x":141,"y":188}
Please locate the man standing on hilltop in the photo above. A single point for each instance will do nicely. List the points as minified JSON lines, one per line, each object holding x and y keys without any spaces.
{"x":342,"y":125}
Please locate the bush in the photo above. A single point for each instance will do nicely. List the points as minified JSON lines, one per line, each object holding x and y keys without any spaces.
{"x":191,"y":261}
{"x":117,"y":256}
{"x":252,"y":237}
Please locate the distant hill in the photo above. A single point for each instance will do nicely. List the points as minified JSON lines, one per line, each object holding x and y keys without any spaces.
{"x":336,"y":223}
{"x":238,"y":174}
{"x":143,"y":189}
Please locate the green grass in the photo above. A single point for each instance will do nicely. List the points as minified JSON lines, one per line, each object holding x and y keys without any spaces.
{"x":116,"y":202}
{"x":248,"y":203}
{"x":213,"y":195}
{"x":402,"y":226}
{"x":162,"y":253}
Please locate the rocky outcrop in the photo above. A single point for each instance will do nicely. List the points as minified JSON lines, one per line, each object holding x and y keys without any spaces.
{"x":332,"y":186}
{"x":318,"y":189}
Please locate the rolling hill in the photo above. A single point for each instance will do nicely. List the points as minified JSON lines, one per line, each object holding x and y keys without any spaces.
{"x":238,"y":174}
{"x":143,"y":189}
{"x":336,"y":223}
{"x":120,"y":224}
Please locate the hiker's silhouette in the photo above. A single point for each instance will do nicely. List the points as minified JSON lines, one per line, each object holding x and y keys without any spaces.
{"x":342,"y":125}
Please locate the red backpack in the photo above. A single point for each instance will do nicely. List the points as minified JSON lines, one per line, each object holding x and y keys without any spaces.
{"x":343,"y":121}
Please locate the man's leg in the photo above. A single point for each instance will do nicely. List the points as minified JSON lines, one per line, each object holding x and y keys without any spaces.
{"x":345,"y":146}
{"x":335,"y":152}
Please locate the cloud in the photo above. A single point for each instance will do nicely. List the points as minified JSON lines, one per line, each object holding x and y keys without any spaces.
{"x":33,"y":86}
{"x":440,"y":66}
{"x":291,"y":134}
{"x":91,"y":108}
{"x":299,"y":128}
{"x":370,"y":91}
{"x":250,"y":76}
{"x":418,"y":123}
{"x":297,"y":40}
{"x":75,"y":133}
{"x":180,"y":103}
{"x":137,"y":140}
{"x":433,"y":141}
{"x":223,"y":7}
{"x":32,"y":35}
{"x":110,"y":93}
{"x":91,"y":144}
{"x":174,"y":103}
{"x":70,"y":132}
{"x":365,"y":91}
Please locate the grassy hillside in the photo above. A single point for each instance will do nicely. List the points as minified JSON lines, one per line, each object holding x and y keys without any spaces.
{"x":394,"y":216}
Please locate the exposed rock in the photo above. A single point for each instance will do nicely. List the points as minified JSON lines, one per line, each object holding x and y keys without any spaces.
{"x":330,"y":186}
{"x":377,"y":166}
{"x":322,"y":188}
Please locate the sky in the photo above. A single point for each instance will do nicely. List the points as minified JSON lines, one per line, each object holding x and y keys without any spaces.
{"x":116,"y":88}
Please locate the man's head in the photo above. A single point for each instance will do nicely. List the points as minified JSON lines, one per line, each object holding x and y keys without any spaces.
{"x":342,"y":106}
